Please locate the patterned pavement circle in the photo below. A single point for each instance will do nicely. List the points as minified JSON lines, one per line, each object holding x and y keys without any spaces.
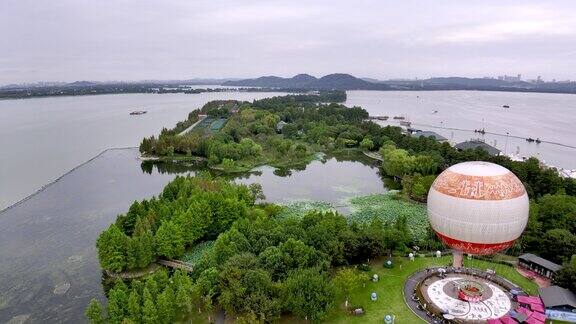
{"x":432,"y":295}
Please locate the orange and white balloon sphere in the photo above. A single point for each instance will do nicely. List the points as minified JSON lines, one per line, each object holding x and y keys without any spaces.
{"x":478,"y":208}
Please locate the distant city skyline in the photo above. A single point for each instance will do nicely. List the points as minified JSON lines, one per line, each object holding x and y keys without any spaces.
{"x":69,"y":40}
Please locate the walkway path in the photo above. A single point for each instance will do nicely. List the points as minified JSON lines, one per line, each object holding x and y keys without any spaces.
{"x":177,"y":264}
{"x":134,"y":274}
{"x":192,"y":126}
{"x":374,"y":155}
{"x":409,"y":289}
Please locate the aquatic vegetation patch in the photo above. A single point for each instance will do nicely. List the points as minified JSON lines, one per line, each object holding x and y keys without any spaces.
{"x":300,"y":208}
{"x":196,"y":253}
{"x":388,"y":207}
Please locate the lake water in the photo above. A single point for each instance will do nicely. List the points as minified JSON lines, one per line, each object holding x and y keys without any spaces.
{"x":42,"y":138}
{"x":550,"y":117}
{"x":48,"y":241}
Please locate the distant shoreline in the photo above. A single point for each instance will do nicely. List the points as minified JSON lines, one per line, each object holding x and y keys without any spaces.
{"x":255,"y":89}
{"x":16,"y":94}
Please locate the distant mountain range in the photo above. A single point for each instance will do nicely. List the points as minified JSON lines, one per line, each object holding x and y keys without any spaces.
{"x":343,"y":81}
{"x":339,"y":81}
{"x":336,"y":81}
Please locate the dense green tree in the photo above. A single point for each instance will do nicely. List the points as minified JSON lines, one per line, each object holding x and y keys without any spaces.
{"x":94,"y":312}
{"x":229,"y":244}
{"x":246,"y":289}
{"x":374,"y":239}
{"x":256,"y":192}
{"x":183,"y":300}
{"x":290,"y":131}
{"x":558,"y":245}
{"x":225,"y":212}
{"x":367,"y":144}
{"x":149,"y":313}
{"x":112,"y":245}
{"x":272,"y":259}
{"x":145,"y":253}
{"x":347,"y":280}
{"x":165,"y":306}
{"x":132,"y":251}
{"x":207,"y":283}
{"x":566,"y":277}
{"x":308,"y":293}
{"x":417,"y":186}
{"x":558,"y":211}
{"x":325,"y":232}
{"x":161,"y":278}
{"x":134,"y":309}
{"x":195,"y":221}
{"x":396,"y":162}
{"x":532,"y":236}
{"x":117,"y":304}
{"x":151,"y":287}
{"x":169,"y":241}
{"x":425,"y":165}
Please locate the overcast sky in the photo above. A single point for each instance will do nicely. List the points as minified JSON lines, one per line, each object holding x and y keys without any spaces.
{"x":67,"y":40}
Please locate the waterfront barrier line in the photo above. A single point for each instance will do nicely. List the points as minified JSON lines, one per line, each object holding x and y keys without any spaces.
{"x":493,"y":133}
{"x":44,"y":187}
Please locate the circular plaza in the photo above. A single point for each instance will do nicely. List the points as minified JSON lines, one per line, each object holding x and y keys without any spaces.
{"x":459,"y":295}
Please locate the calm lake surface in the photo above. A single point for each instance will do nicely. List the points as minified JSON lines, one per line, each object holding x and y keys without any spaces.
{"x":49,"y":270}
{"x":550,"y":117}
{"x":43,"y":138}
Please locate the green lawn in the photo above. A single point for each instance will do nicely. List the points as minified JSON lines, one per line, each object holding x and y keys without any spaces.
{"x":391,"y":284}
{"x":389,"y":290}
{"x":507,"y":272}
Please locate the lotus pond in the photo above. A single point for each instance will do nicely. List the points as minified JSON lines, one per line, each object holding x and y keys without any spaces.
{"x":363,"y":209}
{"x":195,"y":254}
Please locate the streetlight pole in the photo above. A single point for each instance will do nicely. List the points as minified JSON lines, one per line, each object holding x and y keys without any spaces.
{"x":506,"y":145}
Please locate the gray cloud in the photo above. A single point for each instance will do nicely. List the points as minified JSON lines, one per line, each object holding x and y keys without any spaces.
{"x":141,"y":39}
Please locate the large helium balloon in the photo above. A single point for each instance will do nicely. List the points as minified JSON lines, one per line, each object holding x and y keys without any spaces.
{"x":478,"y":207}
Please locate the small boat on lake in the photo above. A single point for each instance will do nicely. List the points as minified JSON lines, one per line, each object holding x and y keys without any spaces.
{"x":138,"y":112}
{"x":399,"y":117}
{"x":505,"y":106}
